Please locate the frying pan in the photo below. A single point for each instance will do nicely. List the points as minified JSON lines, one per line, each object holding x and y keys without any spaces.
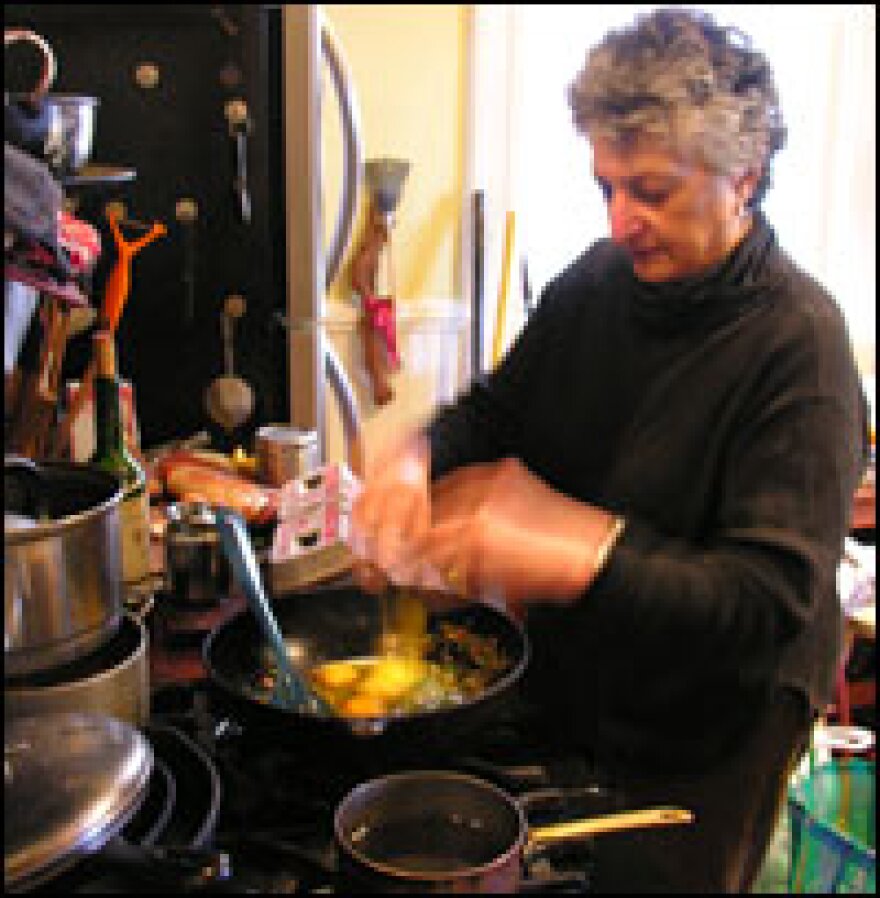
{"x":344,"y":622}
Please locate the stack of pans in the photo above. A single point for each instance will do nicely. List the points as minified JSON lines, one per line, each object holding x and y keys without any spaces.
{"x":93,"y":804}
{"x":90,"y":786}
{"x":67,"y":644}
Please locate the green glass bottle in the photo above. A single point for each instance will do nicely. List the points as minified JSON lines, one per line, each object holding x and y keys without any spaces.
{"x":112,"y":455}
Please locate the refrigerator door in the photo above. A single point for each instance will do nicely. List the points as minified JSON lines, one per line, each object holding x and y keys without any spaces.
{"x":312,"y":361}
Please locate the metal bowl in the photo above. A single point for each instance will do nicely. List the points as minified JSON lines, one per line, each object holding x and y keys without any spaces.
{"x":72,"y":131}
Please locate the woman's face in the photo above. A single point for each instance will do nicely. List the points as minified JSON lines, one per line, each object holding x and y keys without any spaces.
{"x":673,"y":215}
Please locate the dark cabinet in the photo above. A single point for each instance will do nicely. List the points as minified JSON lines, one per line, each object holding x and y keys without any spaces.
{"x":164,"y":75}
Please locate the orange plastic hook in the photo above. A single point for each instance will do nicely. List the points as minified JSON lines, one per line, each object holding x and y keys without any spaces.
{"x":118,"y":284}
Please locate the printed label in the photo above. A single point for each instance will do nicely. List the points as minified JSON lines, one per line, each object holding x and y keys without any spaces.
{"x":135,"y":532}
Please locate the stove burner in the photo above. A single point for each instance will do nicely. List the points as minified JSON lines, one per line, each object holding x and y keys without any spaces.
{"x":276,"y":819}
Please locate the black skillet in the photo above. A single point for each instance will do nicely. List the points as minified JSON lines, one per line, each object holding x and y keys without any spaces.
{"x":344,"y":622}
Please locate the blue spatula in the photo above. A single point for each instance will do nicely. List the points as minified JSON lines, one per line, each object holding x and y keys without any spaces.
{"x":291,"y":691}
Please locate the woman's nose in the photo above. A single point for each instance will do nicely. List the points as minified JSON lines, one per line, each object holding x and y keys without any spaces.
{"x":624,"y":220}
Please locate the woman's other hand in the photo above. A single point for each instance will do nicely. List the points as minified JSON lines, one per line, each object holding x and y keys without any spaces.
{"x":499,"y":533}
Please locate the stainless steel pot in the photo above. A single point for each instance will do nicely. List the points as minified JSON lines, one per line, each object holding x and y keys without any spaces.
{"x":114,"y":680}
{"x":62,"y":562}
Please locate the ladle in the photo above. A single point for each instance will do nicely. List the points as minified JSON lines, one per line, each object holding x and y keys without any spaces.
{"x":229,"y":399}
{"x":290,"y":687}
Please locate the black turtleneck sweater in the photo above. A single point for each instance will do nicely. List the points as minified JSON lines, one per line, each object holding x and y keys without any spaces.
{"x":723,"y":417}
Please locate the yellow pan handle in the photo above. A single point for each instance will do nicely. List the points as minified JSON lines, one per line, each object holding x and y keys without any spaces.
{"x":610,"y":823}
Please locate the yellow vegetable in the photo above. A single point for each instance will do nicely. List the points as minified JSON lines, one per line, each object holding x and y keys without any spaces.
{"x":364,"y":706}
{"x":336,"y":674}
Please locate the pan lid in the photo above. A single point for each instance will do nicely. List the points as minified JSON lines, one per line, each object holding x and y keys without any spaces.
{"x":71,"y":782}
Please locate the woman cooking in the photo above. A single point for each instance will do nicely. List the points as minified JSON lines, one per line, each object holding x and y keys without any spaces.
{"x":657,"y":477}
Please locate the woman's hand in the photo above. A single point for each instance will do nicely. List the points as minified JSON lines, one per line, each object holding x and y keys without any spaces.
{"x":392,"y":510}
{"x":498,"y":532}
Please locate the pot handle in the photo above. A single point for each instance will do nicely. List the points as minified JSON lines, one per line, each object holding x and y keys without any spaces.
{"x":574,"y":882}
{"x":182,"y":867}
{"x":50,"y":67}
{"x":608,"y":823}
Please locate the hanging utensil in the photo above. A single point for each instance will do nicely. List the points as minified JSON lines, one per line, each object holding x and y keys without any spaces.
{"x":187,"y":211}
{"x":238,"y":118}
{"x":229,"y":400}
{"x":116,"y":292}
{"x":118,"y":283}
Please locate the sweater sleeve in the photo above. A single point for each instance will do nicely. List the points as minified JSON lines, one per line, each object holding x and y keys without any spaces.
{"x":757,"y":593}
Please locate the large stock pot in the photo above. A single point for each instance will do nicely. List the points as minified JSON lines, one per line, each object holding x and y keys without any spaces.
{"x":61,"y":560}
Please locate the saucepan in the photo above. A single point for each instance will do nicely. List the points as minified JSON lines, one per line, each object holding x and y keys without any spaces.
{"x":445,"y":831}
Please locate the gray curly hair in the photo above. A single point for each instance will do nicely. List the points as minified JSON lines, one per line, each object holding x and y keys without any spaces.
{"x":678,"y":77}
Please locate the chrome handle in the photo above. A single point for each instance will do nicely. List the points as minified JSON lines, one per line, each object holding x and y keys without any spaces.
{"x":353,"y":155}
{"x":348,"y":408}
{"x":351,"y":185}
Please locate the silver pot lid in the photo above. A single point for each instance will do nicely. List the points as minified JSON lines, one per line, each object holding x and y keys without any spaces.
{"x":71,"y":782}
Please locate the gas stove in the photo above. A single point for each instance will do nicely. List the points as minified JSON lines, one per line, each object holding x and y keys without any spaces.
{"x":271,"y":824}
{"x":278,"y":800}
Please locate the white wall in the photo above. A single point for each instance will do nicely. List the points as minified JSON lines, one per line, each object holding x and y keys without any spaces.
{"x":432,"y":339}
{"x":822,"y":203}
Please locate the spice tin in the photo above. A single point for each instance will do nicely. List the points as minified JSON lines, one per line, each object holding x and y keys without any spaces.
{"x":285,"y":452}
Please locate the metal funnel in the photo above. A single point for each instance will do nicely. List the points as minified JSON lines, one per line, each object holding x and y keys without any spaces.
{"x":385,"y":179}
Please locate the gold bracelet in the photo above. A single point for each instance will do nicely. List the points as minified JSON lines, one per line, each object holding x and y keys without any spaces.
{"x":614,"y":532}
